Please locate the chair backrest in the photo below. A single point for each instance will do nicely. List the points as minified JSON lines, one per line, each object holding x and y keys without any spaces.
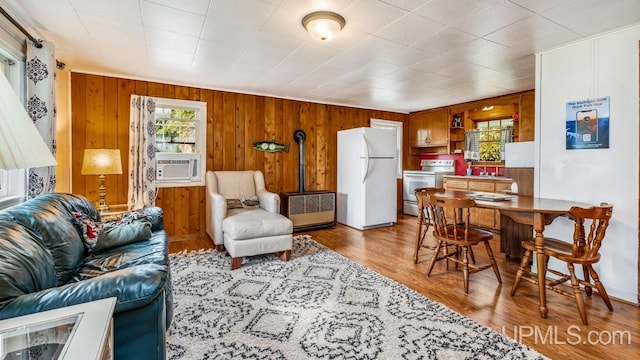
{"x":428,"y":190}
{"x":454,"y":229}
{"x":238,"y":184}
{"x":586,"y":245}
{"x":423,"y":196}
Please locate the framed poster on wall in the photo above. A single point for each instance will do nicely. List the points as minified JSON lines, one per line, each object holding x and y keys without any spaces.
{"x":588,"y":124}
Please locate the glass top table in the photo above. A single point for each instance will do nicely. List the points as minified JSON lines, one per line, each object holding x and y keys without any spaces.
{"x":80,"y":331}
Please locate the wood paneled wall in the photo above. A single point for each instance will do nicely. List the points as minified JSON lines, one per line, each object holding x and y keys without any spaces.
{"x":100,"y":118}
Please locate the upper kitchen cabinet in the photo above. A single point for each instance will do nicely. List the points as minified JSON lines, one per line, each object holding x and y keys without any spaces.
{"x":441,"y":130}
{"x":527,"y":116}
{"x":429,"y":131}
{"x":518,"y":106}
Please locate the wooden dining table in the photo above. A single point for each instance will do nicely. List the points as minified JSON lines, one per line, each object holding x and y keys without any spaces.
{"x":527,"y":210}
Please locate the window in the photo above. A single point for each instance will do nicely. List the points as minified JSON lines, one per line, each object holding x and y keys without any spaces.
{"x":181,"y":130}
{"x":175,"y":130}
{"x":397,"y":126}
{"x":493,"y":135}
{"x":12,"y":183}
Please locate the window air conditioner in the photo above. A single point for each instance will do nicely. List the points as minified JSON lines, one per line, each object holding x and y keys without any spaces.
{"x":177,"y":167}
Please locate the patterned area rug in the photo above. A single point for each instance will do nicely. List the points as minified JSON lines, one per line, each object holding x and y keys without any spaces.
{"x":318,"y":305}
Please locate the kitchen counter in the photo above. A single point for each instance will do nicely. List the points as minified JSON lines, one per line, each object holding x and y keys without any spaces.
{"x":479,"y":177}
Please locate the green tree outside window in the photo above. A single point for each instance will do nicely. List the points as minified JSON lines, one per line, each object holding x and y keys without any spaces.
{"x":175,"y":130}
{"x":490,"y":138}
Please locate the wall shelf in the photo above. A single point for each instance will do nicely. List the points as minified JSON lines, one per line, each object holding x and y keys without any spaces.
{"x":456,"y":135}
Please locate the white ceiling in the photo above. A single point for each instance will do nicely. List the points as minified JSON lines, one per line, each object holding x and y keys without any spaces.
{"x":401,"y":55}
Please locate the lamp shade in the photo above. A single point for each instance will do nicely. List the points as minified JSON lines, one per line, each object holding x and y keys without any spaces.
{"x":101,"y":162}
{"x":323,"y":25}
{"x":21,"y":145}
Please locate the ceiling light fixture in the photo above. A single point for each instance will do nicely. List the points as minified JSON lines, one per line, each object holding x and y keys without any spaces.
{"x":323,"y":25}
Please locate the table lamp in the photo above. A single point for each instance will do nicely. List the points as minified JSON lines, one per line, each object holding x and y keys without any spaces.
{"x":21,"y":145}
{"x":101,"y":162}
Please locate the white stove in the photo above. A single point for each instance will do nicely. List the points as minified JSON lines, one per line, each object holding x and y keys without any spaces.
{"x":430,"y":176}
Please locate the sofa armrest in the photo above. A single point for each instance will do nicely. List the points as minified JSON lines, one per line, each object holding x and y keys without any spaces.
{"x":134,"y":288}
{"x":155,"y":216}
{"x":269,"y":201}
{"x":215,"y":212}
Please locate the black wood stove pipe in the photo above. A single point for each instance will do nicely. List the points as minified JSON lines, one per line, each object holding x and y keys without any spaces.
{"x":299,"y":136}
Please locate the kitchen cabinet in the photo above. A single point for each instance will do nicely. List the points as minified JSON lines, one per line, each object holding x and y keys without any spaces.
{"x":485,"y":186}
{"x":526,"y":123}
{"x":440,"y":131}
{"x":486,"y":218}
{"x":429,"y":131}
{"x":457,"y":184}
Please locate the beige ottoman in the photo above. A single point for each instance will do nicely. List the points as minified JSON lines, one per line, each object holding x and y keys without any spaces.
{"x":249,"y":232}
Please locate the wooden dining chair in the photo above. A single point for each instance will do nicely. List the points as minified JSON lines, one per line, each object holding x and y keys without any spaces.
{"x":425,"y":219}
{"x":583,"y":250}
{"x":459,"y":233}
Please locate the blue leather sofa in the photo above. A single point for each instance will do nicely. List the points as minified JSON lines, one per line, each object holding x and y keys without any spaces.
{"x":44,"y":265}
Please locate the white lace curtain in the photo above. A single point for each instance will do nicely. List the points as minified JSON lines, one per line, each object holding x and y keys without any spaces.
{"x":506,"y":136}
{"x":142,"y":153}
{"x":41,"y":107}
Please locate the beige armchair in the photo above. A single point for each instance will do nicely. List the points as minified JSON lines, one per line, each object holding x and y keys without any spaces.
{"x":242,"y":227}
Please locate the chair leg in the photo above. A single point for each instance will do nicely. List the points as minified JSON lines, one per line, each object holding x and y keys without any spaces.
{"x":585,"y":272}
{"x":220,"y":248}
{"x":493,"y":262}
{"x":523,"y":265}
{"x":236,"y":263}
{"x":600,"y":287}
{"x":445,"y":250}
{"x":465,"y":268}
{"x":419,"y":237}
{"x":435,"y":257}
{"x":577,"y":293}
{"x":473,"y":258}
{"x":285,"y":255}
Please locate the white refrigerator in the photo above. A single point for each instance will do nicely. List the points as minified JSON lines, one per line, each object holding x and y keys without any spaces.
{"x":367,"y":185}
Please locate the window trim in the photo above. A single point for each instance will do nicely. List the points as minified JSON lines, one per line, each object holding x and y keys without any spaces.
{"x":201,"y":141}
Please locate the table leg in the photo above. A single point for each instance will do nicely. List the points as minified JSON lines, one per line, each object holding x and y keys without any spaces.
{"x":541,"y":263}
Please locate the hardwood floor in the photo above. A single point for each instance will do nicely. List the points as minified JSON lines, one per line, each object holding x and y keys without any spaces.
{"x":389,"y":251}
